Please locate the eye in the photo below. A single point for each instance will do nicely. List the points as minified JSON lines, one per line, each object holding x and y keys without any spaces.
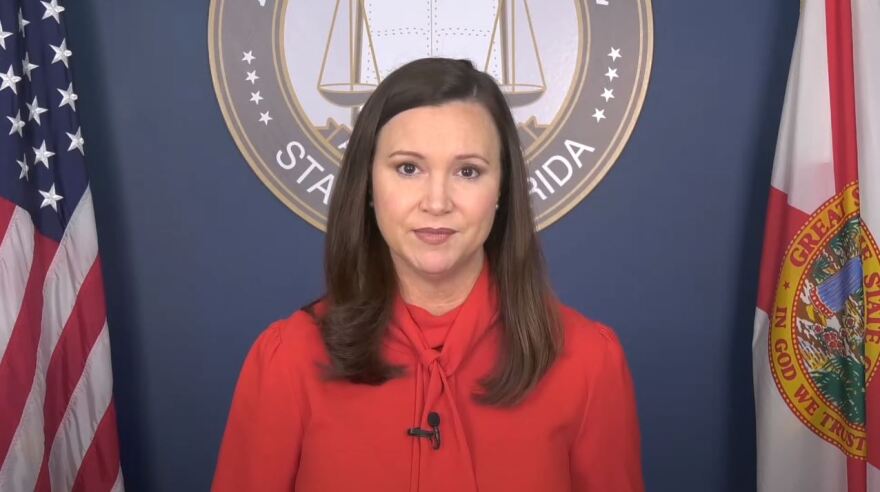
{"x":407,"y":169}
{"x":469,"y":172}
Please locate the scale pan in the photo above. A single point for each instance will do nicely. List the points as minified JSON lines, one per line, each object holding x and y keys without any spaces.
{"x":522,"y":94}
{"x":346,"y":95}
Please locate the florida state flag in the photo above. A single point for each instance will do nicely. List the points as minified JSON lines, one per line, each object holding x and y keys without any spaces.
{"x":817,"y":326}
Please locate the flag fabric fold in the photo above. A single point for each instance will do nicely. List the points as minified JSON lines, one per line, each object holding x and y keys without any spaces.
{"x":57,"y":417}
{"x":817,"y":324}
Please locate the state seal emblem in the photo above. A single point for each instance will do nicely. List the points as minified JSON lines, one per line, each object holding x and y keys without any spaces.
{"x":825,"y":326}
{"x":291,"y":75}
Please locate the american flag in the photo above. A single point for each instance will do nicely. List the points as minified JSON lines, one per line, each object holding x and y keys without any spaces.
{"x":57,"y":417}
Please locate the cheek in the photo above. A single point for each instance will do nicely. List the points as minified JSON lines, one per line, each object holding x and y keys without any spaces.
{"x":383,"y":202}
{"x":385,"y":215}
{"x":391,"y":203}
{"x":481,"y":208}
{"x":392,"y":210}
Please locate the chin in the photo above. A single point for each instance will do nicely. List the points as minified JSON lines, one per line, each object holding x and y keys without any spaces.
{"x":434,"y":265}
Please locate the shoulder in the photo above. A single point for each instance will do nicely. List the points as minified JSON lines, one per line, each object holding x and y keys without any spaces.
{"x":584,"y":334}
{"x":593,"y":360}
{"x":588,"y":343}
{"x":294,"y":340}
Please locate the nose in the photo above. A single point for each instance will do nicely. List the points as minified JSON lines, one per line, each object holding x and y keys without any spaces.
{"x":437,"y":199}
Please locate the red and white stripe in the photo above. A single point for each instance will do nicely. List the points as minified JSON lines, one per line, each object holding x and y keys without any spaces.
{"x":829,"y":136}
{"x":58,"y":423}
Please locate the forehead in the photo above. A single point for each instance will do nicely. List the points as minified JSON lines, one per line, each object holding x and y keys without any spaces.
{"x":454,"y":126}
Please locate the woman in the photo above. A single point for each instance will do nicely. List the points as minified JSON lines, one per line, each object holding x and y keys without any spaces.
{"x":436,"y":359}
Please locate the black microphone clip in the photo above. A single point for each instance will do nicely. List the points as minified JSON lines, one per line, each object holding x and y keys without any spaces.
{"x":433,"y":434}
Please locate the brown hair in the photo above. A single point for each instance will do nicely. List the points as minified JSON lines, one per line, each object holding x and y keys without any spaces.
{"x":361,"y":281}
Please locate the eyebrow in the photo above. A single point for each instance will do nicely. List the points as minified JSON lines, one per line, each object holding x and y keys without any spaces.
{"x":406,"y":153}
{"x":420,"y":156}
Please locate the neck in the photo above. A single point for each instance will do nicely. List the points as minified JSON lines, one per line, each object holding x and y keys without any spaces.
{"x":440,"y":294}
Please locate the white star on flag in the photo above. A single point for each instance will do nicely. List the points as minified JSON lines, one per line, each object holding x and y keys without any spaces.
{"x":599,"y":114}
{"x":76,"y":141}
{"x":17,"y":124}
{"x":256,"y":97}
{"x":248,"y":57}
{"x":42,"y":155}
{"x":611,"y":73}
{"x":61,"y":53}
{"x":10,"y":80}
{"x":607,"y":94}
{"x":252,"y":77}
{"x":3,"y":36}
{"x":22,"y":22}
{"x":53,"y":10}
{"x":68,"y":97}
{"x":35,"y":111}
{"x":265,"y":118}
{"x":50,"y":198}
{"x":615,"y":53}
{"x":24,"y":168}
{"x":27,"y":66}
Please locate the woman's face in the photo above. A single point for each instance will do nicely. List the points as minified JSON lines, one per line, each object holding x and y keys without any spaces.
{"x":436,"y":180}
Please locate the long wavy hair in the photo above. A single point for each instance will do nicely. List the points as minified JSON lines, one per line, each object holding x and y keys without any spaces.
{"x":360,"y":277}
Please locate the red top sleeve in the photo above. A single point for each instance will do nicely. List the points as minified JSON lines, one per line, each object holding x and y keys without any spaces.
{"x":263,"y":435}
{"x":606,"y":452}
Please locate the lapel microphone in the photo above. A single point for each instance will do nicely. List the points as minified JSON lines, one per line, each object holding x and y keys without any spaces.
{"x":433,"y":434}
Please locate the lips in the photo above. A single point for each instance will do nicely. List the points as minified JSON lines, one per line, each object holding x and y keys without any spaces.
{"x":434,"y":236}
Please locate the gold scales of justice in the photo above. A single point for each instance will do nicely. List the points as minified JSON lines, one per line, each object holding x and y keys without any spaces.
{"x":346,"y":86}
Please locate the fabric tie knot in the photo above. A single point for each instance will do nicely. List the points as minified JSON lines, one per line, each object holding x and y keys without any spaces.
{"x":428,"y":357}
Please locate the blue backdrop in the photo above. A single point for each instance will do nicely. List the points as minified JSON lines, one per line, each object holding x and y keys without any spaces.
{"x":199,"y":256}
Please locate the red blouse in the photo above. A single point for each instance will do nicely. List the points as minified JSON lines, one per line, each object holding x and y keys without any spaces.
{"x":289,"y":429}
